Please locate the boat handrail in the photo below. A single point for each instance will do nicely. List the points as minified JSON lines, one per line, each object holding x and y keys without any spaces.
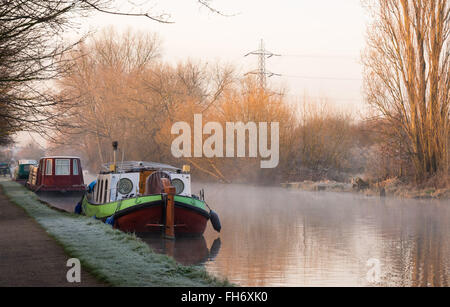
{"x":128,"y":166}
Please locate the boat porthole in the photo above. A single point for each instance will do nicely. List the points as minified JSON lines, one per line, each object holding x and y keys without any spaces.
{"x":124,"y":186}
{"x":179,"y":185}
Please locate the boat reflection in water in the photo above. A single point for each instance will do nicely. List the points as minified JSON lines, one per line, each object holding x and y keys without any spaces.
{"x":185,"y":250}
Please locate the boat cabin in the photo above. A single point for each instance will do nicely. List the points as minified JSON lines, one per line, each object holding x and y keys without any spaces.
{"x":22,"y":169}
{"x":134,"y":178}
{"x":57,"y":173}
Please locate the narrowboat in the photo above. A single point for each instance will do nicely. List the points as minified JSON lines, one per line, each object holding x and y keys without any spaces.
{"x":22,"y":170}
{"x":4,"y":169}
{"x":131,"y":197}
{"x":56,"y":174}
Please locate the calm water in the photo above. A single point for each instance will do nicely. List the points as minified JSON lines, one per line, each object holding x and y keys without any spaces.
{"x":277,"y":237}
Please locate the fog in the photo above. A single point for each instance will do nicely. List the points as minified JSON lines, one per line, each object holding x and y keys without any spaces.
{"x":278,"y":237}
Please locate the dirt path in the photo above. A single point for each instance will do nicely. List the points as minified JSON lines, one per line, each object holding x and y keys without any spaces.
{"x":28,"y":255}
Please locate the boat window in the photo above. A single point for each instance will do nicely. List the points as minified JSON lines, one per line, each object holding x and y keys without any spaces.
{"x":105,"y":198}
{"x":48,"y":167}
{"x":62,"y":167}
{"x":101,"y":192}
{"x":97,"y":189}
{"x":75,"y":167}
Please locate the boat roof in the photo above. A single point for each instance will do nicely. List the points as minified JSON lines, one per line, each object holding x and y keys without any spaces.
{"x":130,"y":166}
{"x":27,"y":162}
{"x":60,"y":157}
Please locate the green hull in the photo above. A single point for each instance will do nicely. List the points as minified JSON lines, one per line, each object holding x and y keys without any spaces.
{"x":106,"y":210}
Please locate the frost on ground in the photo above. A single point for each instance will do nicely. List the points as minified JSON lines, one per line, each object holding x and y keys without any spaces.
{"x":115,"y":257}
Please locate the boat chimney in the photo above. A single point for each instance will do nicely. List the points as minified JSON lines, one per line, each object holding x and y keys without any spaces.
{"x":186,"y":168}
{"x":113,"y":167}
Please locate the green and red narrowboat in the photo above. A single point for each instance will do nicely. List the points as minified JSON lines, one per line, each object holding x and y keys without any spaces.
{"x":131,"y":197}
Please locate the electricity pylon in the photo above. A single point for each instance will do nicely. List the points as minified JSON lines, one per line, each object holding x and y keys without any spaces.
{"x":262,"y":73}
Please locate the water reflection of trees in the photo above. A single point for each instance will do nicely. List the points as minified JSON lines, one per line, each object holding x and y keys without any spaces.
{"x":274,"y":237}
{"x":417,"y":247}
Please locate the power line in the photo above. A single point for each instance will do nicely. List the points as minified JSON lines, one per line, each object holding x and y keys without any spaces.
{"x":262,"y":73}
{"x":322,"y":78}
{"x":320,"y":56}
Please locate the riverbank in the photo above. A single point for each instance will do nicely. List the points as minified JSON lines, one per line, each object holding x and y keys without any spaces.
{"x":29,"y":257}
{"x":391,"y":187}
{"x":117,"y":258}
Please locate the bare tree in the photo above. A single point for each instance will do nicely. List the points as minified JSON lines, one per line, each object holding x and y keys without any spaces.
{"x":5,"y":133}
{"x":120,"y":90}
{"x":325,"y":137}
{"x":407,"y":76}
{"x":98,"y":87}
{"x":31,"y":53}
{"x":31,"y":150}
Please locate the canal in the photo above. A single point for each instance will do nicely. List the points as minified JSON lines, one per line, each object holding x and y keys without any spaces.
{"x":277,"y":237}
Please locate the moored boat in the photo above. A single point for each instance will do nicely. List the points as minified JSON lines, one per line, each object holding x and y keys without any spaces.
{"x":22,"y":170}
{"x":4,"y":169}
{"x":56,"y":174}
{"x":132,"y":197}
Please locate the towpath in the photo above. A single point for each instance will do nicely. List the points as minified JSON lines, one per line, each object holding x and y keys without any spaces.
{"x":28,"y":255}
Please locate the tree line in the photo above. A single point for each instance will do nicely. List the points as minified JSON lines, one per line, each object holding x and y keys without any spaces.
{"x":115,"y":86}
{"x":121,"y":90}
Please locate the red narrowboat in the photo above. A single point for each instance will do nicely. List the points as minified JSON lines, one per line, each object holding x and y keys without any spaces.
{"x":57,"y":173}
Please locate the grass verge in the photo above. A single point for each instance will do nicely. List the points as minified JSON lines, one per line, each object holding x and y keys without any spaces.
{"x":117,"y":258}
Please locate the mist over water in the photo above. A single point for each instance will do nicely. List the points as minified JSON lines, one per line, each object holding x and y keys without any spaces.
{"x":277,"y":237}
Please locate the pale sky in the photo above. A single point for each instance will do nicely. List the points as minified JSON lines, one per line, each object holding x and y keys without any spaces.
{"x":320,"y":41}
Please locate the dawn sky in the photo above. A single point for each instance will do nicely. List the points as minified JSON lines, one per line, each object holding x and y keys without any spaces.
{"x":320,"y":41}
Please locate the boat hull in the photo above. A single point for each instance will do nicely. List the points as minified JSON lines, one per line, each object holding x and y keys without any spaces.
{"x":146,"y":214}
{"x":56,"y":188}
{"x":150,"y":219}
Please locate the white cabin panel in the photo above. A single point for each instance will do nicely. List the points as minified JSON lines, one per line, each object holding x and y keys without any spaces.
{"x":124,"y":185}
{"x":182,"y":182}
